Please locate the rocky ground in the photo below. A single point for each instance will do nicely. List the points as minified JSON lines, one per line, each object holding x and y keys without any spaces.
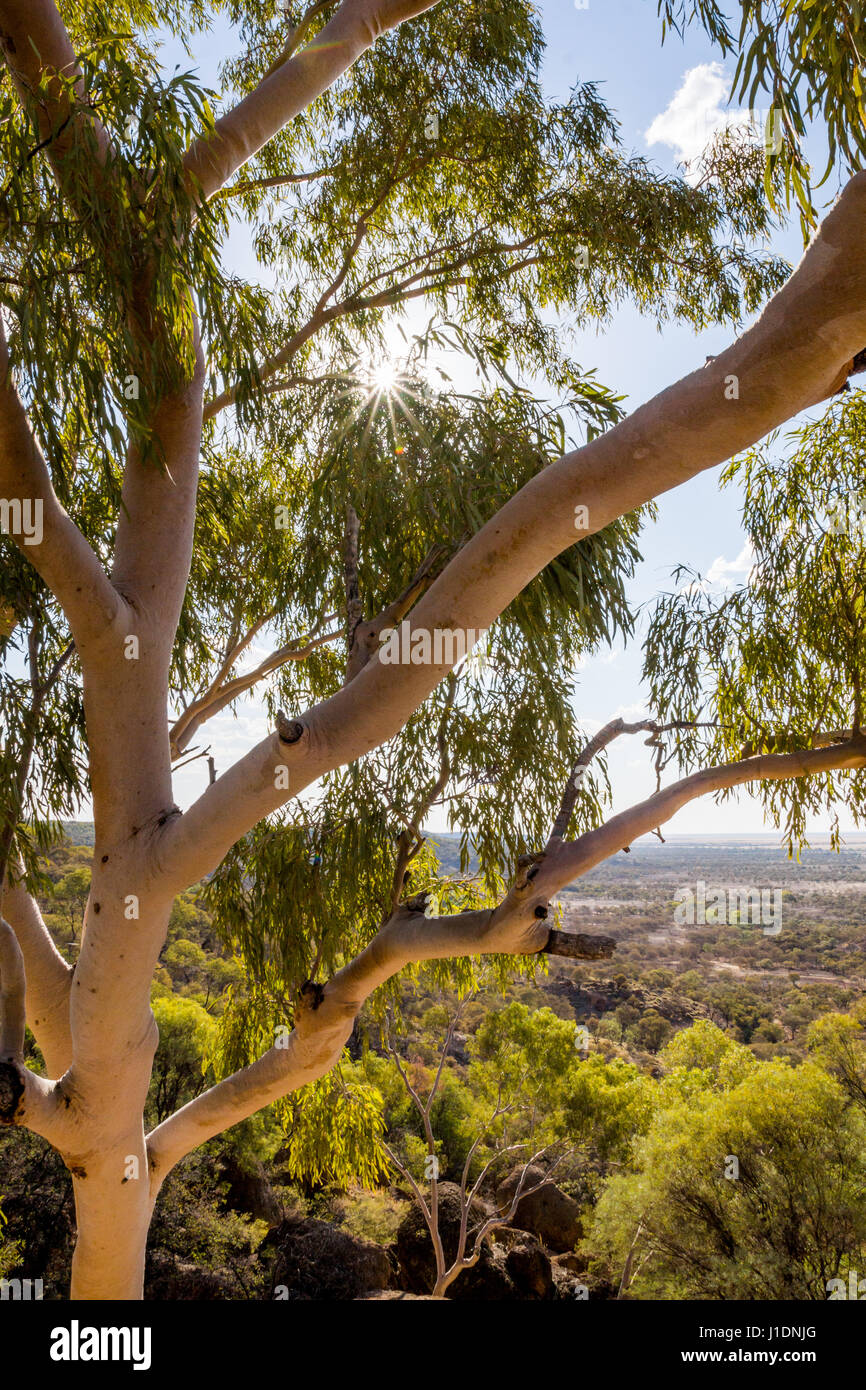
{"x":304,"y":1259}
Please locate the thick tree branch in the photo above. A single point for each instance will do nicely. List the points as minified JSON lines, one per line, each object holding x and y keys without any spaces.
{"x":517,"y":926}
{"x":126,"y":689}
{"x":12,"y":1010}
{"x":48,"y":976}
{"x":46,"y":972}
{"x":579,"y":856}
{"x":54,"y":546}
{"x":25,"y":1098}
{"x":291,"y":88}
{"x":797,"y":354}
{"x":30,"y":727}
{"x":153,"y":547}
{"x":37,"y":47}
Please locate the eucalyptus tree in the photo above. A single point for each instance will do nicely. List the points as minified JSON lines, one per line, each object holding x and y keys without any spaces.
{"x":189,"y":461}
{"x":775,"y":665}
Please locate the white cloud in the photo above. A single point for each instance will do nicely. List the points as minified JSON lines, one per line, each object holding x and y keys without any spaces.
{"x":696,"y":113}
{"x":722,"y":571}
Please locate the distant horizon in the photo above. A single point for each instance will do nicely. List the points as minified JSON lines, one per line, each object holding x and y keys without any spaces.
{"x":748,"y":835}
{"x":696,"y":837}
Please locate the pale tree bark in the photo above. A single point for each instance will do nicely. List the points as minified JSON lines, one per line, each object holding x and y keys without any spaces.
{"x":25,"y":1098}
{"x":291,"y":87}
{"x":36,"y":46}
{"x":516,"y":926}
{"x":47,"y":973}
{"x":796,"y":354}
{"x":48,"y":977}
{"x":124,"y":625}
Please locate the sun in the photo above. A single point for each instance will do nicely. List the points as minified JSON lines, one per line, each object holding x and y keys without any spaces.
{"x":389,"y":391}
{"x":383,"y":377}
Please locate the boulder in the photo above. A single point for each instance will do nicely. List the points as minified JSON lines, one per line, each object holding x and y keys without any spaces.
{"x":569,"y":1287}
{"x":316,"y":1260}
{"x":250,"y":1191}
{"x":549,"y":1213}
{"x":487,"y":1279}
{"x":171,"y":1280}
{"x":530,"y":1270}
{"x":575,"y":1264}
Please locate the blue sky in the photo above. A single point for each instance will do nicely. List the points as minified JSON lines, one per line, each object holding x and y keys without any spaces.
{"x":672,"y":93}
{"x":674,"y":90}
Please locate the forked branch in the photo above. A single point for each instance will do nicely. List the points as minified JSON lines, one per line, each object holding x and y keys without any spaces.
{"x":517,"y":926}
{"x":791,"y":358}
{"x":222,"y":692}
{"x":50,"y":540}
